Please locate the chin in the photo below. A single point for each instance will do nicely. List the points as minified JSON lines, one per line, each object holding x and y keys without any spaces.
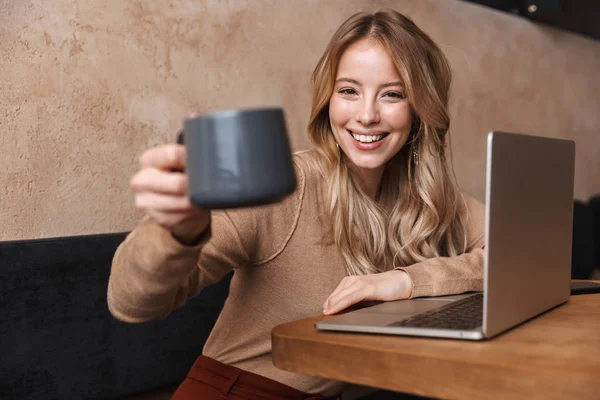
{"x":368,"y":163}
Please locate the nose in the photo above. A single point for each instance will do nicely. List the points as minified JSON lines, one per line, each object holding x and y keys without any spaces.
{"x":368,"y":113}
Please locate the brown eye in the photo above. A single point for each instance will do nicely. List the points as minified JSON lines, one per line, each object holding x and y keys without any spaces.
{"x":395,"y":95}
{"x":347,"y":91}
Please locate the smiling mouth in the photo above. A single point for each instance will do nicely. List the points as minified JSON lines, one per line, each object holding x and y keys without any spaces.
{"x":367,"y":138}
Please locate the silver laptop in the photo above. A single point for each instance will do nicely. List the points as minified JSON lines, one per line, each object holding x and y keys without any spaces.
{"x":529,"y":211}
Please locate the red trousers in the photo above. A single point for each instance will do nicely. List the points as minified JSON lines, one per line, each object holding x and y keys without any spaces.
{"x":212,"y":380}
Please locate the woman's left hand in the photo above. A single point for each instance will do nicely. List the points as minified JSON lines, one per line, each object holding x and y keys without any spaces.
{"x":384,"y":286}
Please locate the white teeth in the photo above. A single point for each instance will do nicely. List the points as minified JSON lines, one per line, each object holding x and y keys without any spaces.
{"x":366,"y":138}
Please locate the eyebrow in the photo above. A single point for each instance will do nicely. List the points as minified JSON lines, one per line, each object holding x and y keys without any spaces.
{"x":354,"y":81}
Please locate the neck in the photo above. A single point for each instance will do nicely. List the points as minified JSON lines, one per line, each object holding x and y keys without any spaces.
{"x":369,"y":180}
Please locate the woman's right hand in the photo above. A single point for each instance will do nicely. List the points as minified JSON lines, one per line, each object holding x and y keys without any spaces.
{"x":161,"y":191}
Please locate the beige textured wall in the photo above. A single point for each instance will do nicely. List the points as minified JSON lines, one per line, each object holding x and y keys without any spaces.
{"x":86,"y":86}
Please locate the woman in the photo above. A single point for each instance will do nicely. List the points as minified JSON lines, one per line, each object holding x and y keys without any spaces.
{"x":376,"y":216}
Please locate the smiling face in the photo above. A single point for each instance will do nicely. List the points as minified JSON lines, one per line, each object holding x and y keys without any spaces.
{"x":368,"y":110}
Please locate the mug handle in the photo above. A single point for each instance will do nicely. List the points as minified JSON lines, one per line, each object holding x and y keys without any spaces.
{"x":180,"y":140}
{"x":181,"y":137}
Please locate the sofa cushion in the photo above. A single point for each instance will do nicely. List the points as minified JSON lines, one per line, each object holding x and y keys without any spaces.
{"x":583,"y":256}
{"x":58,"y":339}
{"x":594,"y":204}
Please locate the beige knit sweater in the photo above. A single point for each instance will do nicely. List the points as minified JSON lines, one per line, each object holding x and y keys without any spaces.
{"x":285,"y":268}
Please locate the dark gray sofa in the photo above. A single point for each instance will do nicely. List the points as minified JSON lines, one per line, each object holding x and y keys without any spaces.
{"x":585,"y":257}
{"x":59,"y":341}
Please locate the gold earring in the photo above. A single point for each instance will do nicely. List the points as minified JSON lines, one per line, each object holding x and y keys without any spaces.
{"x":416,"y":157}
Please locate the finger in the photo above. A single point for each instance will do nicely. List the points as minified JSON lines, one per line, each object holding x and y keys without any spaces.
{"x":168,"y":156}
{"x":156,"y":180}
{"x":335,"y":299}
{"x":150,"y":201}
{"x":345,"y":282}
{"x":346,"y":299}
{"x":168,"y":219}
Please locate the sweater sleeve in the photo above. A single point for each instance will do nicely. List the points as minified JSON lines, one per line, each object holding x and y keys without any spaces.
{"x":452,"y":275}
{"x":152,"y":273}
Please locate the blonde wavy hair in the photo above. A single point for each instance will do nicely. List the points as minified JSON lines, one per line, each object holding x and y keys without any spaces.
{"x":418,"y":213}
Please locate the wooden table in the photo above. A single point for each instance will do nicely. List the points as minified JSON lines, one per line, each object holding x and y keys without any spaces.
{"x":554,"y":356}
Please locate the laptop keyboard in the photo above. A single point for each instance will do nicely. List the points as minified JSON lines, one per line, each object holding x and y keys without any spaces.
{"x":463,"y":314}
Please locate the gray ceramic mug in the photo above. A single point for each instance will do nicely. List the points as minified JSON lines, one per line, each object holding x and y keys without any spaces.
{"x":238,"y":158}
